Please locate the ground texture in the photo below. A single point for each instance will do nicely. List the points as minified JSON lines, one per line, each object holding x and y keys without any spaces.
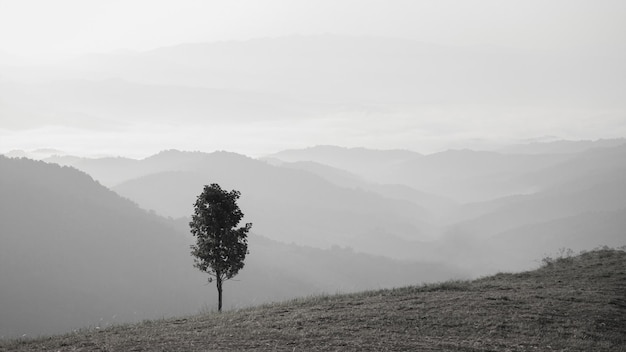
{"x":569,"y":304}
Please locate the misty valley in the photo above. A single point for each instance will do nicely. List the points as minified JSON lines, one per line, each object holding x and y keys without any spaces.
{"x":330,"y":175}
{"x":94,"y":242}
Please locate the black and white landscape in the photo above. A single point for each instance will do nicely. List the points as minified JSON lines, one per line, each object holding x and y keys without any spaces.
{"x":102,"y":241}
{"x":369,"y":153}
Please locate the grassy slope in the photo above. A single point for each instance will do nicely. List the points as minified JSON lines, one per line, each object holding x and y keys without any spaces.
{"x":572,"y":304}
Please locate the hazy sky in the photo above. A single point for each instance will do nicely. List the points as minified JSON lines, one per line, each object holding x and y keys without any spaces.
{"x":37,"y":28}
{"x":42,"y":30}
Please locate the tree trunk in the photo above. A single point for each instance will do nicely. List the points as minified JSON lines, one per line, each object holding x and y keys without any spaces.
{"x":219,"y":294}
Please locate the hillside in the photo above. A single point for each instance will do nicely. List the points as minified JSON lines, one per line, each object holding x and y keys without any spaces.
{"x":285,"y":204}
{"x":532,"y":204}
{"x":73,"y":253}
{"x":561,"y":147}
{"x":462,"y":175}
{"x":569,"y":304}
{"x":561,"y":196}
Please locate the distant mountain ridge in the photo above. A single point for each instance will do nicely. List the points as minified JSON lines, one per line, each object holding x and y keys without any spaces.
{"x":283,"y":202}
{"x":375,"y":201}
{"x":75,"y":254}
{"x":560,"y":195}
{"x":562,"y":146}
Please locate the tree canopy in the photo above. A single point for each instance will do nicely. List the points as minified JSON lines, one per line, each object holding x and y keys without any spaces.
{"x":220,"y":247}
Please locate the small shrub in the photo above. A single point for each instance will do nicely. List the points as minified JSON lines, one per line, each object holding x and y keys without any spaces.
{"x":564,"y":255}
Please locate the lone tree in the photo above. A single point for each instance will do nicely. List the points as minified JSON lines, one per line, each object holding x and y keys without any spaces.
{"x":220,"y":248}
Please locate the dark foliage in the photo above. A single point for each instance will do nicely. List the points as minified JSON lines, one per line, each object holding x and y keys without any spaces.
{"x":220,"y":247}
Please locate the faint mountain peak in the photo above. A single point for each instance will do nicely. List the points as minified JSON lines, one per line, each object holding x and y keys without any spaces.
{"x":333,"y":150}
{"x":562,"y":146}
{"x":37,"y":154}
{"x":169,"y":154}
{"x":334,"y":175}
{"x":64,"y":160}
{"x":366,"y":163}
{"x":186,"y":156}
{"x":48,"y":151}
{"x":16,"y":153}
{"x":465,"y":151}
{"x":464,"y":155}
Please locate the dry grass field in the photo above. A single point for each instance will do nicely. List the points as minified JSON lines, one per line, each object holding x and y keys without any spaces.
{"x":570,"y":304}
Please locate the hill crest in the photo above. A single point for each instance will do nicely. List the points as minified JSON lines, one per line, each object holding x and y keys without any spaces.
{"x":570,"y":303}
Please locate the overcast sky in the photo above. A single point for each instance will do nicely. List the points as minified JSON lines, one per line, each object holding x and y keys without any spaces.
{"x":40,"y":27}
{"x":43,"y":30}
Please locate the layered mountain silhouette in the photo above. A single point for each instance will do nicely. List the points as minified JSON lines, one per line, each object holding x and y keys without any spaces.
{"x":545,"y":201}
{"x":397,"y":204}
{"x":285,"y":204}
{"x":462,"y":175}
{"x":565,"y":147}
{"x":105,"y":240}
{"x":75,"y":254}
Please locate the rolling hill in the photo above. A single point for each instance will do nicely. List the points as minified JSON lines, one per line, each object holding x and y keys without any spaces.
{"x":461,"y":175}
{"x":366,"y":163}
{"x":561,"y":147}
{"x":324,"y":196}
{"x":75,"y":254}
{"x":308,"y":202}
{"x":432,"y":203}
{"x":287,"y":205}
{"x":579,"y":204}
{"x":532,"y":204}
{"x":285,"y":202}
{"x":569,"y":304}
